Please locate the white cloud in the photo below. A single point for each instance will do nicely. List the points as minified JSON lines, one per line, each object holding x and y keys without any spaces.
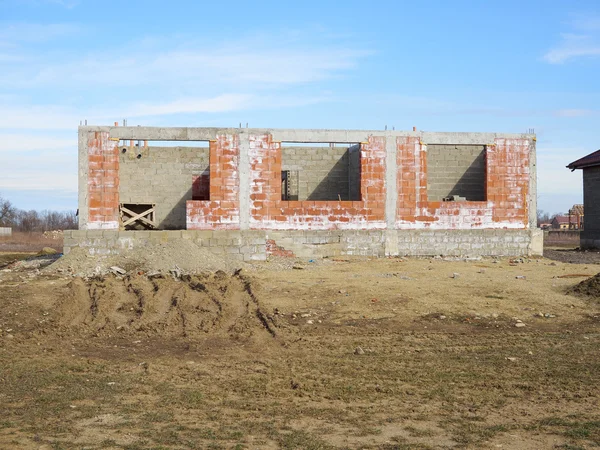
{"x":159,"y":76}
{"x":39,"y":179}
{"x":585,"y":22}
{"x":38,"y":117}
{"x":170,"y":63}
{"x":221,"y":103}
{"x":47,"y":170}
{"x":54,"y":117}
{"x":584,"y":41}
{"x":574,"y":112}
{"x":39,"y":162}
{"x":68,"y":4}
{"x":10,"y":142}
{"x":15,"y":33}
{"x":573,"y":46}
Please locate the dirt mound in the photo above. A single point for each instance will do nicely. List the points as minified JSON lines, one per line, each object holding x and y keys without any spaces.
{"x":193,"y":306}
{"x":183,"y":255}
{"x":589,"y":287}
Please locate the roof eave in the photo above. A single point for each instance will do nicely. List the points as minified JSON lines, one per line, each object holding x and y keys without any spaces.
{"x":583,"y":166}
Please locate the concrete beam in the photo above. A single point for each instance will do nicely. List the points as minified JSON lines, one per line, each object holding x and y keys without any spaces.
{"x":296,"y":135}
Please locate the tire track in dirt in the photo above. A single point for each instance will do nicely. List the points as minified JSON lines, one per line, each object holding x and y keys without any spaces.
{"x":190,"y":307}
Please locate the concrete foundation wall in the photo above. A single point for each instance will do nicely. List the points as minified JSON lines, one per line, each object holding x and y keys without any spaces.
{"x":590,"y":235}
{"x":319,"y":173}
{"x":456,"y":170}
{"x":161,"y":176}
{"x":256,"y":245}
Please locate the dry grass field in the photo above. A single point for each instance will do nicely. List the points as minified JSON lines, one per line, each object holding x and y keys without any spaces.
{"x":345,"y":353}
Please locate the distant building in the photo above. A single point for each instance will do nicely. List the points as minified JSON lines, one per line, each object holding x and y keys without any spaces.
{"x":576,"y":217}
{"x":5,"y":231}
{"x":545,"y":225}
{"x":560,"y":223}
{"x":590,"y":164}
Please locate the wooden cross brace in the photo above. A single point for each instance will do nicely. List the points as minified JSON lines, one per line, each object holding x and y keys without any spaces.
{"x":138,"y":217}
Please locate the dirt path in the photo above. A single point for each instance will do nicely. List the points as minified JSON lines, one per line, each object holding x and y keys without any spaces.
{"x":390,"y":353}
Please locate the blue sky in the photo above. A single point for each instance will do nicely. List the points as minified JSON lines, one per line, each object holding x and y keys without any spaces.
{"x":502,"y":66}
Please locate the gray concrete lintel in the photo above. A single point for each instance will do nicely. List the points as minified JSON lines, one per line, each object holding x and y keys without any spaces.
{"x":296,"y":135}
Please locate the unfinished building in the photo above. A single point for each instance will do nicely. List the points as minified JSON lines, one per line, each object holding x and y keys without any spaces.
{"x":252,"y":193}
{"x":590,"y":234}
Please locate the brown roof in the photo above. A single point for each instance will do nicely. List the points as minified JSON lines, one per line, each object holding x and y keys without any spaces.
{"x":562,"y":219}
{"x":593,"y":159}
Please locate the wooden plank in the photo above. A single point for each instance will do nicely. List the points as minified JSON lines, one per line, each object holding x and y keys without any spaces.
{"x":138,"y":217}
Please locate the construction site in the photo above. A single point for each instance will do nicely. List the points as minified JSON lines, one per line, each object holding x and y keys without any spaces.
{"x":314,"y":289}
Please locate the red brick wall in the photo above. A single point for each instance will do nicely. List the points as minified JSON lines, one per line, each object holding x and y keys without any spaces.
{"x":268,"y":211}
{"x":508,"y":180}
{"x":275,"y":250}
{"x":222,"y":211}
{"x":103,"y":182}
{"x":507,"y":184}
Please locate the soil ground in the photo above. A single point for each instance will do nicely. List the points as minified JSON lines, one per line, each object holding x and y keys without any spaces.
{"x":340,"y":353}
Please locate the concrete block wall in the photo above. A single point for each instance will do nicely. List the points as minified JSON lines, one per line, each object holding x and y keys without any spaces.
{"x":165,"y":176}
{"x":590,"y":235}
{"x":258,"y":245}
{"x":456,"y":170}
{"x":243,"y":246}
{"x":322,"y":173}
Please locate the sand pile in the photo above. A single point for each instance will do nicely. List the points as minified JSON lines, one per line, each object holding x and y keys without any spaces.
{"x":193,"y":306}
{"x":184,"y":257}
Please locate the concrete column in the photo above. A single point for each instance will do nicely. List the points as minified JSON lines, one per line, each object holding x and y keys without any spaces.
{"x":536,"y":246}
{"x":244,"y":174}
{"x":83,"y":200}
{"x":532,"y":184}
{"x":391,"y":195}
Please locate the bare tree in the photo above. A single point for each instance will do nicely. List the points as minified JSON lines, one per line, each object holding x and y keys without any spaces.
{"x":55,"y":220}
{"x":33,"y":220}
{"x":543,"y":217}
{"x":7,"y":212}
{"x":69,"y":221}
{"x":28,"y":221}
